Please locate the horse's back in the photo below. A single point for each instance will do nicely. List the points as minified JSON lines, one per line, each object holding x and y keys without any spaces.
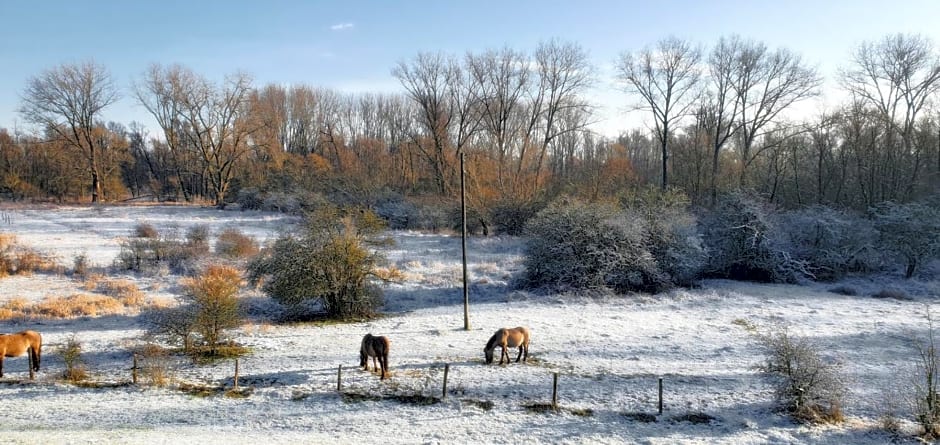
{"x":13,"y":345}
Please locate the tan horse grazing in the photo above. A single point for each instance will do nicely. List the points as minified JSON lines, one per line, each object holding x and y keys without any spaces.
{"x":15,"y":345}
{"x":508,"y":338}
{"x":377,"y":348}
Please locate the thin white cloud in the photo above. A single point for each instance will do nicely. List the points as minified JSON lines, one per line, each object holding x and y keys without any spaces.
{"x":342,"y":27}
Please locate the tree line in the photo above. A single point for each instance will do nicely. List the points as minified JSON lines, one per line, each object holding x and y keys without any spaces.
{"x":722,"y":119}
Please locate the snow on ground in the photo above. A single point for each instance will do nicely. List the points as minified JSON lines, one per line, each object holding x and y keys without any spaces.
{"x":608,"y":351}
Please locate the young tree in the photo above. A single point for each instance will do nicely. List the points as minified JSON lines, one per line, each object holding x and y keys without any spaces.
{"x":66,"y":101}
{"x":666,"y":77}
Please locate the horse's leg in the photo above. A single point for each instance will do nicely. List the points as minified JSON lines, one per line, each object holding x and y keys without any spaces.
{"x":525,"y":358}
{"x":1,"y":365}
{"x":520,"y":354}
{"x":383,"y":360}
{"x":504,"y":354}
{"x":35,"y":356}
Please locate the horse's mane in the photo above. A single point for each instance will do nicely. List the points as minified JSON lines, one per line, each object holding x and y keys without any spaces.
{"x":494,"y":340}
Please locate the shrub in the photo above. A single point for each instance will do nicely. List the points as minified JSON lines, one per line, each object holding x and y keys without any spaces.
{"x":510,"y":217}
{"x":671,"y":232}
{"x":575,"y":245}
{"x":331,"y":263}
{"x":233,"y":243}
{"x":80,"y":265}
{"x":154,"y":364}
{"x":145,"y":230}
{"x":71,"y":353}
{"x":830,"y":242}
{"x":213,"y":297}
{"x":744,"y":243}
{"x":910,"y":231}
{"x":806,"y":385}
{"x":148,"y":254}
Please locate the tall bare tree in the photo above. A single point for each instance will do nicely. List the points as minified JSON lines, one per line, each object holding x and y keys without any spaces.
{"x":427,"y":80}
{"x":66,"y":101}
{"x":766,"y":83}
{"x":666,"y":77}
{"x":897,"y":76}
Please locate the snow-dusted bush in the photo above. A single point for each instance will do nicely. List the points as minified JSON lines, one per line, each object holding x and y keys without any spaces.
{"x":909,"y":231}
{"x":808,"y":386}
{"x":744,"y":242}
{"x":672,"y":235}
{"x":576,"y":245}
{"x":831,"y":242}
{"x":249,"y":198}
{"x":330,"y":262}
{"x":509,"y":217}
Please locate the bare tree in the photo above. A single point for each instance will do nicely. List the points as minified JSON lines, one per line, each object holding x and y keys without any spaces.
{"x":723,"y":106}
{"x":897,"y":77}
{"x":428,"y":79}
{"x":162,"y":90}
{"x":66,"y":100}
{"x":767,"y":83}
{"x":666,"y":77}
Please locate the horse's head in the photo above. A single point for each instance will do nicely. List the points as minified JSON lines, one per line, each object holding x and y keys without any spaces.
{"x":488,"y":354}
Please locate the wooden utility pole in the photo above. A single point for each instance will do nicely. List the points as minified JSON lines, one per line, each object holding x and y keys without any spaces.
{"x":463,"y":245}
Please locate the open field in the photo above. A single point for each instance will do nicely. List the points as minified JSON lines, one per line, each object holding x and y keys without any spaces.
{"x":608,"y":351}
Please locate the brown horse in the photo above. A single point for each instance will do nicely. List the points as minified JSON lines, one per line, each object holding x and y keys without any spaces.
{"x":377,"y":348}
{"x":15,"y":345}
{"x":508,"y":338}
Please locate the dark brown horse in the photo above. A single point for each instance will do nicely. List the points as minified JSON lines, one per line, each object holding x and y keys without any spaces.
{"x":508,"y":338}
{"x":15,"y":345}
{"x":377,"y":348}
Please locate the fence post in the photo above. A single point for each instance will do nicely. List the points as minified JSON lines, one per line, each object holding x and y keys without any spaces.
{"x":134,"y":370}
{"x":235,"y":380}
{"x":555,"y":391}
{"x":339,"y":379}
{"x":446,"y":370}
{"x":660,"y":396}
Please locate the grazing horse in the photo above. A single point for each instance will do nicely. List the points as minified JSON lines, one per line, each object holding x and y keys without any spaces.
{"x":508,"y":338}
{"x":377,"y":348}
{"x":15,"y":345}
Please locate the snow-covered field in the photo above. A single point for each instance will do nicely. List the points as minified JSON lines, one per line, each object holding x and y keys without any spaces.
{"x":609,"y":352}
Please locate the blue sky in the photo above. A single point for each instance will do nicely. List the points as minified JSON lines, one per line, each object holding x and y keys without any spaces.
{"x":352,"y":45}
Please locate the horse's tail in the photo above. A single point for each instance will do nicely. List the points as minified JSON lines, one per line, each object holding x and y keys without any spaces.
{"x":386,"y":344}
{"x":37,"y":350}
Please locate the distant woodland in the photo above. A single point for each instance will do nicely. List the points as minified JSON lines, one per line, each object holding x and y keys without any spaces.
{"x":723,"y":118}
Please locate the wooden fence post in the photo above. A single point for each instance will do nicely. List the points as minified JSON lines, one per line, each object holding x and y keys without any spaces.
{"x":446,"y":370}
{"x":555,"y":392}
{"x":134,"y":370}
{"x":339,"y":379}
{"x":660,"y":396}
{"x":235,"y":380}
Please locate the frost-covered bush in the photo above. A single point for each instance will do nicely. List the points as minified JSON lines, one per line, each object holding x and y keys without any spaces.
{"x":577,"y":245}
{"x":807,"y":385}
{"x":744,"y":242}
{"x":831,"y":242}
{"x":672,"y":235}
{"x":331,"y":262}
{"x":249,"y":198}
{"x":909,"y":231}
{"x":509,"y":217}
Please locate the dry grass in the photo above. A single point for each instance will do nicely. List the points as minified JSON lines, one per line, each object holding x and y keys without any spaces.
{"x":77,"y":305}
{"x":124,"y":291}
{"x":15,"y":308}
{"x":29,"y":261}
